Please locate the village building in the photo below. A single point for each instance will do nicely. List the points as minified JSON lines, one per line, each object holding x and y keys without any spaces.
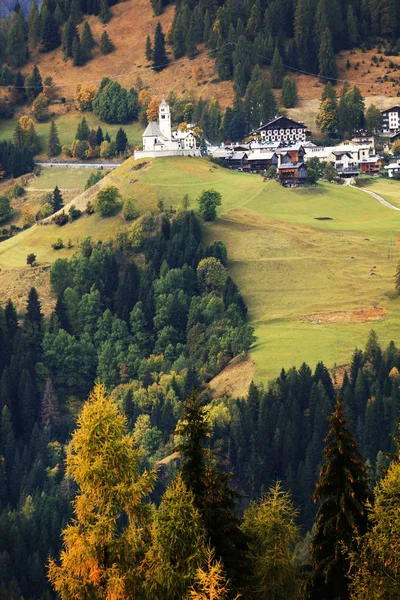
{"x":282,"y":130}
{"x":371,"y":165}
{"x":393,"y":170}
{"x":391,"y":119}
{"x":159,"y":139}
{"x":291,"y":174}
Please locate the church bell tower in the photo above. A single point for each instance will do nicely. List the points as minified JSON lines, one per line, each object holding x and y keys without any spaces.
{"x":164,"y":119}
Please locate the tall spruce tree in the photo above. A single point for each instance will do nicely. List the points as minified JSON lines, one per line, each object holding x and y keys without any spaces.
{"x":34,"y":25}
{"x":160,"y":58}
{"x":149,"y":49}
{"x":56,"y":201}
{"x":87,"y":41}
{"x":17,"y":50}
{"x":276,"y":70}
{"x":69,"y":33}
{"x":326,"y":57}
{"x":342,"y":492}
{"x":289,"y":96}
{"x":121,"y":140}
{"x":106,"y":45}
{"x":210,"y":486}
{"x":53,"y":143}
{"x":50,"y":37}
{"x":33,"y":84}
{"x":78,"y":53}
{"x":105,"y":13}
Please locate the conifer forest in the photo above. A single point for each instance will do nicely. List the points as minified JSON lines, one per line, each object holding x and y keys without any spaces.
{"x":125,"y":474}
{"x":121,"y":476}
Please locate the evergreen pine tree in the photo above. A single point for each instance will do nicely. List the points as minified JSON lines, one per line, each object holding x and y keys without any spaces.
{"x":99,"y":136}
{"x":75,"y":12}
{"x":33,"y":84}
{"x":326,"y":57}
{"x":121,"y":140}
{"x":106,"y":45}
{"x":276,"y":70}
{"x":53,"y":144}
{"x":17,"y":50}
{"x":50,"y":37}
{"x":210,"y":487}
{"x":69,"y":33}
{"x":160,"y":59}
{"x":107,"y":138}
{"x":178,"y":35}
{"x":57,"y":201}
{"x":33,"y":309}
{"x":289,"y":96}
{"x":149,"y":49}
{"x":77,"y":52}
{"x":82,"y":131}
{"x":352,"y":26}
{"x":190,"y":42}
{"x":87,"y":41}
{"x":59,"y":16}
{"x":11,"y":319}
{"x":343,"y":492}
{"x":34,"y":25}
{"x":20,"y":88}
{"x":105,"y":13}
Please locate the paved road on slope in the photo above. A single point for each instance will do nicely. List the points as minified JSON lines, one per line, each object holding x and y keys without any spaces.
{"x":376,"y":196}
{"x":47,"y":164}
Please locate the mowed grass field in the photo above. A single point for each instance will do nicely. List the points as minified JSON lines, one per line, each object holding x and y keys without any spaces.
{"x":288,"y":263}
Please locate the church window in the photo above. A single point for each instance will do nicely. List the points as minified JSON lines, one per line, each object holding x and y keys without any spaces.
{"x":163,"y":116}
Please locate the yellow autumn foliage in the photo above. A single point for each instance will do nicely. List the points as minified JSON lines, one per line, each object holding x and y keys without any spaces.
{"x":84,"y":96}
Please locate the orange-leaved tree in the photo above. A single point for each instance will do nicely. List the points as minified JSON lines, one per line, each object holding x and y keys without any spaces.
{"x":103,"y":545}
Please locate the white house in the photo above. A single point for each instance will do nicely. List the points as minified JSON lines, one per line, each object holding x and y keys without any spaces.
{"x":159,"y":139}
{"x":282,"y":130}
{"x":391,"y":119}
{"x":393,"y":169}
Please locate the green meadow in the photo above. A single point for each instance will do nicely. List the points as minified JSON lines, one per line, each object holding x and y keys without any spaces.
{"x":67,"y":125}
{"x":298,"y":255}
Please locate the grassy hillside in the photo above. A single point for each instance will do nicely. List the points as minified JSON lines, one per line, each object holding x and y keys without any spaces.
{"x":314,"y":287}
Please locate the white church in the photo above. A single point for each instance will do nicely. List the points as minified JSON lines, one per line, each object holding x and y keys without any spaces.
{"x":160,"y":140}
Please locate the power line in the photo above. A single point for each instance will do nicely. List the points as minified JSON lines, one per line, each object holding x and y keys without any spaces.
{"x":205,"y":52}
{"x":126,"y":71}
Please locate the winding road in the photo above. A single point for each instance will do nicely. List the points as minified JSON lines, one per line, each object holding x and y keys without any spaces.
{"x":376,"y":196}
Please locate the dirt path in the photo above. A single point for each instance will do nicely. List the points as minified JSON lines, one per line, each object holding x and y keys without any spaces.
{"x":376,"y":196}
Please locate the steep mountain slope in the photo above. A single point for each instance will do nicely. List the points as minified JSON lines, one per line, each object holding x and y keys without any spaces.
{"x":133,"y":21}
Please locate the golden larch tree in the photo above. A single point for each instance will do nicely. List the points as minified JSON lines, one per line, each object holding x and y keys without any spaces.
{"x":103,"y":545}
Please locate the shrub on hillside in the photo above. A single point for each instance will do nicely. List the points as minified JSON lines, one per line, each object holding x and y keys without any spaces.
{"x":58,"y":244}
{"x":129,"y":211}
{"x":5,"y":209}
{"x":93,"y":179}
{"x":74,"y":213}
{"x":107,"y":201}
{"x":61,"y":219}
{"x":18,"y":191}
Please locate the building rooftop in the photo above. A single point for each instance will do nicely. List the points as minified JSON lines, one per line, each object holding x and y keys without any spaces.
{"x":153,"y":130}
